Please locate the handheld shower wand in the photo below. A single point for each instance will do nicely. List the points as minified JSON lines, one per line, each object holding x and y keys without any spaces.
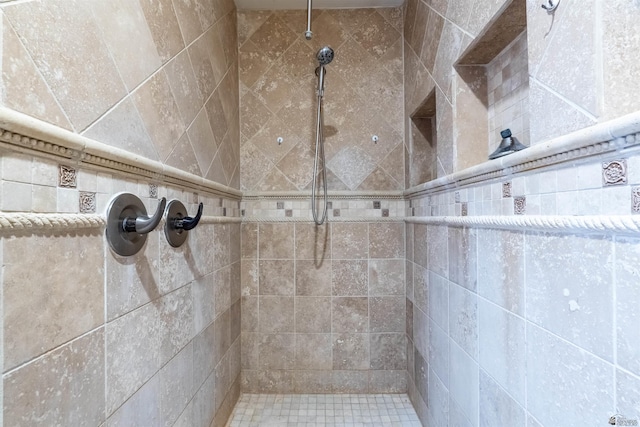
{"x":324,"y":56}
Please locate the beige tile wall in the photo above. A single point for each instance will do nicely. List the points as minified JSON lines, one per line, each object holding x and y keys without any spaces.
{"x":508,"y":93}
{"x":156,"y":78}
{"x":579,"y":73}
{"x":323,"y":308}
{"x":497,"y":320}
{"x":504,"y":325}
{"x":91,"y":337}
{"x":363,"y":98}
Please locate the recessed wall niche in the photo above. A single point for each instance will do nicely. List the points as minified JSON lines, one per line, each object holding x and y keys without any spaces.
{"x":492,"y":87}
{"x":423,"y":158}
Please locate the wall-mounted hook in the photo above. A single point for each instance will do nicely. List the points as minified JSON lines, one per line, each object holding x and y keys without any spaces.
{"x":551,"y":5}
{"x":128,"y":223}
{"x":178,"y":223}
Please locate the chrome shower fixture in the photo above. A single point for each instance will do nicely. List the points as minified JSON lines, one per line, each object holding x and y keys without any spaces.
{"x":308,"y":33}
{"x":325,"y":56}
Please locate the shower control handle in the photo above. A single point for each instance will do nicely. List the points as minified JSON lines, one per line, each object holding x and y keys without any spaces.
{"x":178,"y":224}
{"x":144,"y":224}
{"x":128,"y":223}
{"x":188,"y":223}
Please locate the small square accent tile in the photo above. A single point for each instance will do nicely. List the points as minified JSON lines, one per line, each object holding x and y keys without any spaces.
{"x":329,"y":205}
{"x":506,"y":189}
{"x":614,"y":172}
{"x":67,"y":177}
{"x":519,"y":205}
{"x":413,"y":211}
{"x":336,"y":212}
{"x":376,"y":205}
{"x":465,"y":209}
{"x":457,"y":196}
{"x":385,"y":212}
{"x":87,"y":202}
{"x":288,"y":212}
{"x":635,"y":200}
{"x":153,"y":191}
{"x":280,"y":205}
{"x":242,"y":212}
{"x":224,"y":211}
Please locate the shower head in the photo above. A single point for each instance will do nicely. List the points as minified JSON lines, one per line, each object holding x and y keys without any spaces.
{"x":325,"y":56}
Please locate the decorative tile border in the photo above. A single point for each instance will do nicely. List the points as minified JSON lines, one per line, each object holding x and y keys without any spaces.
{"x":67,"y":177}
{"x":506,"y":189}
{"x":87,"y":202}
{"x":635,"y":200}
{"x":609,"y":137}
{"x":614,"y":172}
{"x":519,"y":205}
{"x":153,"y":191}
{"x":620,"y":224}
{"x":27,"y":134}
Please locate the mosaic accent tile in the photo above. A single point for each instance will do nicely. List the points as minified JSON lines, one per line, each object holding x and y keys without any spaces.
{"x":67,"y":177}
{"x":242,"y":212}
{"x":385,"y":213}
{"x":336,"y":212}
{"x":465,"y":209}
{"x":506,"y":189}
{"x":519,"y":205}
{"x":224,"y":211}
{"x":457,"y":196}
{"x":87,"y":202}
{"x":635,"y":200}
{"x":153,"y":191}
{"x":614,"y":172}
{"x":280,"y":205}
{"x":288,"y":212}
{"x":376,"y":205}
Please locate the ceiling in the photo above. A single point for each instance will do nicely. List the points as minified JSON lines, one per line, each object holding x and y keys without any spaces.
{"x":317,"y":4}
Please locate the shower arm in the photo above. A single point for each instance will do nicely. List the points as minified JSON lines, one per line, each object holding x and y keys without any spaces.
{"x":308,"y":33}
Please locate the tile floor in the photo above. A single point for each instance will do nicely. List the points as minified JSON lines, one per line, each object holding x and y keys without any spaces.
{"x":324,"y":410}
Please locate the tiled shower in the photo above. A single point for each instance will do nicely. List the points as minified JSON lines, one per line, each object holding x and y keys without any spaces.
{"x":444,"y":290}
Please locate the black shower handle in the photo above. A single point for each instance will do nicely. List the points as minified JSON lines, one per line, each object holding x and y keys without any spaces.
{"x":188,"y":223}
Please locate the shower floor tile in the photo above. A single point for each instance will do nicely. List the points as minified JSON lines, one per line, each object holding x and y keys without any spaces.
{"x":320,"y":410}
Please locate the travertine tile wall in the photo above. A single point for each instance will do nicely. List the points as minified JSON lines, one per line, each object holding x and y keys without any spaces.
{"x":91,"y":338}
{"x":504,"y":326}
{"x":363,"y":98}
{"x":508,"y":93}
{"x":579,"y":71}
{"x":509,"y":326}
{"x":158,"y":79}
{"x":323,"y":308}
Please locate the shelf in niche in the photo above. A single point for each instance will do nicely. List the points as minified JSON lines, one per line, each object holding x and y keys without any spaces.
{"x":423,"y":156}
{"x":492,"y":86}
